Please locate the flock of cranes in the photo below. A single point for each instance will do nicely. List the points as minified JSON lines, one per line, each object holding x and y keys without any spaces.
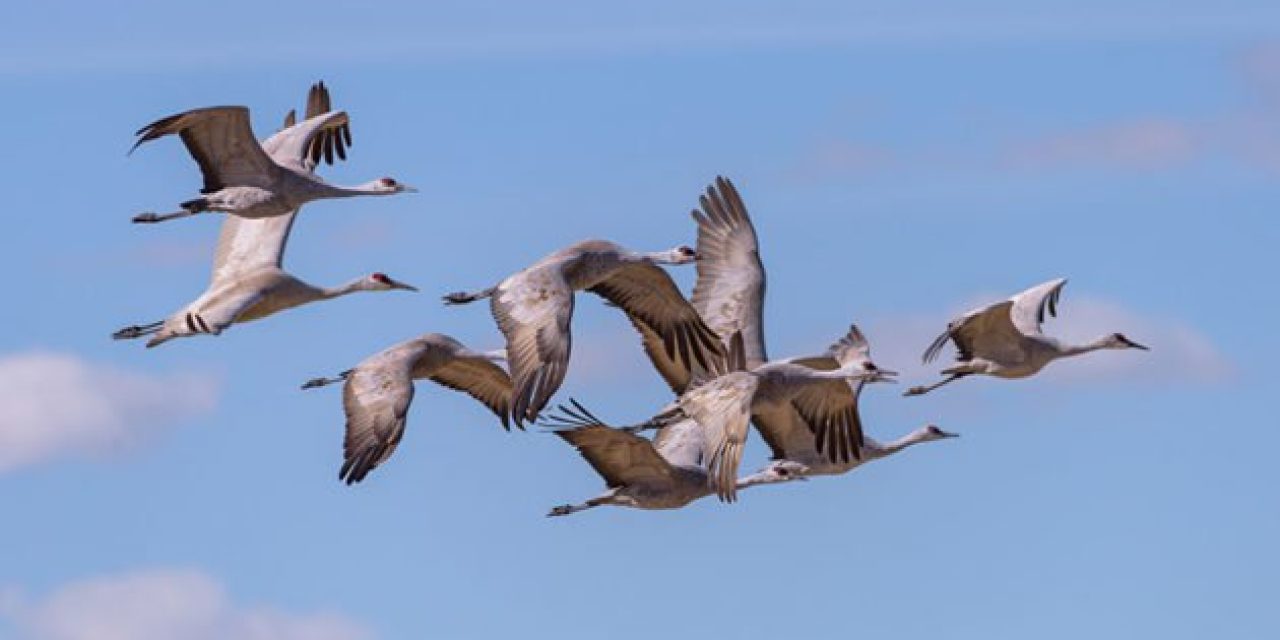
{"x":709,"y":347}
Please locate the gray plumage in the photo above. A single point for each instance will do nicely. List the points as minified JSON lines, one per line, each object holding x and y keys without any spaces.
{"x":376,"y":394}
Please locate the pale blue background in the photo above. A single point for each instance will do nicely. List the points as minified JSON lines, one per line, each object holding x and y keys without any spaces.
{"x":1115,"y":509}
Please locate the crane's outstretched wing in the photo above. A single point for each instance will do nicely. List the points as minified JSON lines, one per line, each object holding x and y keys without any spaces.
{"x":473,"y":374}
{"x":222,"y":143}
{"x":376,"y":399}
{"x":648,"y":295}
{"x":533,"y":309}
{"x":297,"y":146}
{"x":722,"y":407}
{"x":1031,"y":306}
{"x":729,"y":293}
{"x":620,"y":457}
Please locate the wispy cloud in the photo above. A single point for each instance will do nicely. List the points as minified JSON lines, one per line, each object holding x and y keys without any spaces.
{"x":1179,"y":354}
{"x":56,"y":404}
{"x":1153,"y":143}
{"x":161,"y":604}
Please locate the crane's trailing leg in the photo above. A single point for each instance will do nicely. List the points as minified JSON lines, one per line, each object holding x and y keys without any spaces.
{"x":566,"y":509}
{"x":917,"y":391}
{"x":320,"y":382}
{"x":137,"y":331}
{"x":189,"y":208}
{"x":462,"y":297}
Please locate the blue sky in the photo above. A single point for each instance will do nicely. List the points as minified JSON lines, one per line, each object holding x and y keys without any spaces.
{"x":902,"y":160}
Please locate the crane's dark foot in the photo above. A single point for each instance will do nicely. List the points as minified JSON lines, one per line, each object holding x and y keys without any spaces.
{"x":320,"y":382}
{"x":460,"y":297}
{"x":915,"y":391}
{"x":136,"y":331}
{"x":147,"y":217}
{"x":562,"y":510}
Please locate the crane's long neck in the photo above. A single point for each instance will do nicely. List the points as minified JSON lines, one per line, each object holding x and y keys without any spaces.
{"x":671,"y":257}
{"x":326,"y":190}
{"x":326,"y":293}
{"x":873,"y":449}
{"x":1068,"y":350}
{"x":757,"y":478}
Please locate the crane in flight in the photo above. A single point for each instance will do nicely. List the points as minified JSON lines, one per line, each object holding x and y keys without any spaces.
{"x":378,"y":391}
{"x":1005,"y":339}
{"x":248,"y":281}
{"x":251,"y":180}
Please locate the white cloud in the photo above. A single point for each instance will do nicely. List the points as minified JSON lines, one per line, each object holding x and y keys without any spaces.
{"x":1179,"y":353}
{"x":55,"y":404}
{"x":161,"y":604}
{"x":1145,"y":144}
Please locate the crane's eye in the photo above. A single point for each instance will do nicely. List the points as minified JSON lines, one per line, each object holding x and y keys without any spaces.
{"x":782,"y":471}
{"x":869,"y":366}
{"x":387,"y":182}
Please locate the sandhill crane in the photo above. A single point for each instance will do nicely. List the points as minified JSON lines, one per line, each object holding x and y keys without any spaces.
{"x":794,"y":444}
{"x":665,"y":473}
{"x":723,"y":405}
{"x":534,"y":307}
{"x":377,"y":393}
{"x":249,"y":180}
{"x":1004,"y":339}
{"x":248,"y":282}
{"x":729,"y":294}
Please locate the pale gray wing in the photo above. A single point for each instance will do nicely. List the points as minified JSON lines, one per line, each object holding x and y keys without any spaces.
{"x":246,"y":245}
{"x":722,"y":407}
{"x":620,"y":457}
{"x":221,"y":141}
{"x":1031,"y":306}
{"x":648,"y":294}
{"x":376,"y":399}
{"x":533,"y":309}
{"x":470,"y":373}
{"x":681,"y":443}
{"x":729,"y":293}
{"x":293,"y":147}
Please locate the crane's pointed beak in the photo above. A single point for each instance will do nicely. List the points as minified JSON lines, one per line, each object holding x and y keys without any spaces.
{"x":404,"y":188}
{"x":395,"y":284}
{"x":1133,"y":345}
{"x":885,"y":375}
